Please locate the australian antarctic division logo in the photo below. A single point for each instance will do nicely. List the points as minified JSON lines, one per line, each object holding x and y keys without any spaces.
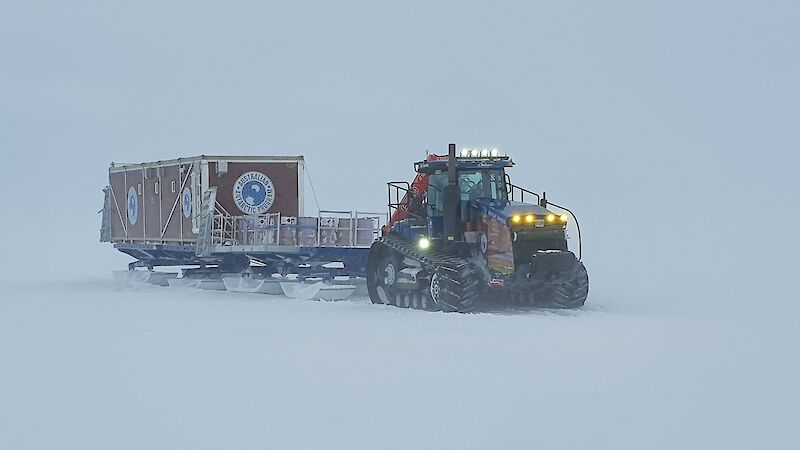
{"x":133,"y":206}
{"x":186,"y":202}
{"x":254,"y":193}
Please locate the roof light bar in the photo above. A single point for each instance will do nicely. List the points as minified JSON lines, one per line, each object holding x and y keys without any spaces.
{"x":480,"y":153}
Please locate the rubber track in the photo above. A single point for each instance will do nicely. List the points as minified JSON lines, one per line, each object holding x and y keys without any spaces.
{"x":569,"y":294}
{"x":573,"y":294}
{"x":459,"y":279}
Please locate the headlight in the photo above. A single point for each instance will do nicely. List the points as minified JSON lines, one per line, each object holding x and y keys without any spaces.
{"x":530,"y":218}
{"x":474,"y":153}
{"x":485,"y":153}
{"x":464,"y":152}
{"x":551,"y":217}
{"x":494,"y":153}
{"x":424,"y":243}
{"x":516,"y":219}
{"x":564,"y":217}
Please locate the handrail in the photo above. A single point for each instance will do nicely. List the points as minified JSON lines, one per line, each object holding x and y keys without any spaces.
{"x":221,"y":208}
{"x":578,"y":225}
{"x":405,"y":188}
{"x":269,"y":229}
{"x":433,"y":207}
{"x":523,"y":191}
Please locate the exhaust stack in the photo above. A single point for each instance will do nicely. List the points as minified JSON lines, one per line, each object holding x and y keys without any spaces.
{"x":452,"y":199}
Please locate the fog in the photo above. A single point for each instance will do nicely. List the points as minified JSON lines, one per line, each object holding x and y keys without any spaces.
{"x":670,"y":128}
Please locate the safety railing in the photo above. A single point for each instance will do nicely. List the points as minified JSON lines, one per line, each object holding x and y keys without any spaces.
{"x":329,"y":229}
{"x":399,"y":199}
{"x":517,"y":194}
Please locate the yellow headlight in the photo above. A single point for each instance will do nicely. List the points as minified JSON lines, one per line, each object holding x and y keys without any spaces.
{"x":551,"y":217}
{"x":530,"y":218}
{"x":516,"y":219}
{"x":564,"y":217}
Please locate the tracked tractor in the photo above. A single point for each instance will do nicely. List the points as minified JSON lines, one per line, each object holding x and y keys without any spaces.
{"x":461,"y":237}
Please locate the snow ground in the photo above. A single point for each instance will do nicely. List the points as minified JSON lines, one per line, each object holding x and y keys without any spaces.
{"x":89,"y":365}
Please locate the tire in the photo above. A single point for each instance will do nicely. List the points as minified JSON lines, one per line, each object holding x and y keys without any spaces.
{"x":572,"y":294}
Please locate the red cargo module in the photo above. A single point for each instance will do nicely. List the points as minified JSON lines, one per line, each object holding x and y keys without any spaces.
{"x":161,"y":202}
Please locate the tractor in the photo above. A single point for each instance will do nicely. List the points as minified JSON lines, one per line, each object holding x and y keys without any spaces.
{"x":461,"y":237}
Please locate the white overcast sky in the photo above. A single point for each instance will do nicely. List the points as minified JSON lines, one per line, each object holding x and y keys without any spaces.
{"x":670,"y":127}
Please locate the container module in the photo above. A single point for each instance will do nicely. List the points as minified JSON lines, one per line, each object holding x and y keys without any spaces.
{"x":222,"y":215}
{"x":161,"y":202}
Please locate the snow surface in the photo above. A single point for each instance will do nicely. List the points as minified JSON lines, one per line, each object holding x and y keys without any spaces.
{"x":670,"y":128}
{"x":89,"y":365}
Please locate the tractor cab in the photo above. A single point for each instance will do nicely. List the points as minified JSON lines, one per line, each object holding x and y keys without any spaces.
{"x":481,"y":179}
{"x":461,"y":226}
{"x":477,"y":184}
{"x":419,"y":207}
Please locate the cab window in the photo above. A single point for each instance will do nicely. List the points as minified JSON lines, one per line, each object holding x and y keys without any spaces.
{"x":489,"y":184}
{"x":474,"y":184}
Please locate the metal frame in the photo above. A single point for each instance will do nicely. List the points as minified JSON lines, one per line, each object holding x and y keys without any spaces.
{"x":308,"y":261}
{"x":178,"y":199}
{"x":120,"y":167}
{"x":401,"y":191}
{"x":512,"y":188}
{"x":119,"y":213}
{"x":352,"y":228}
{"x":265,"y":230}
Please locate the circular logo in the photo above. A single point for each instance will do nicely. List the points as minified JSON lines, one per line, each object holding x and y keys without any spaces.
{"x":133,"y":206}
{"x":484,"y":243}
{"x":186,"y":202}
{"x":254,"y":193}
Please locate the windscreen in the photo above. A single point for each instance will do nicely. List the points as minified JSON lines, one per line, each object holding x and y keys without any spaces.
{"x":474,"y":184}
{"x":477,"y":184}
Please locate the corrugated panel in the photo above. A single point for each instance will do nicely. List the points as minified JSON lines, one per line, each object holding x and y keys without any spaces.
{"x":159,"y":201}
